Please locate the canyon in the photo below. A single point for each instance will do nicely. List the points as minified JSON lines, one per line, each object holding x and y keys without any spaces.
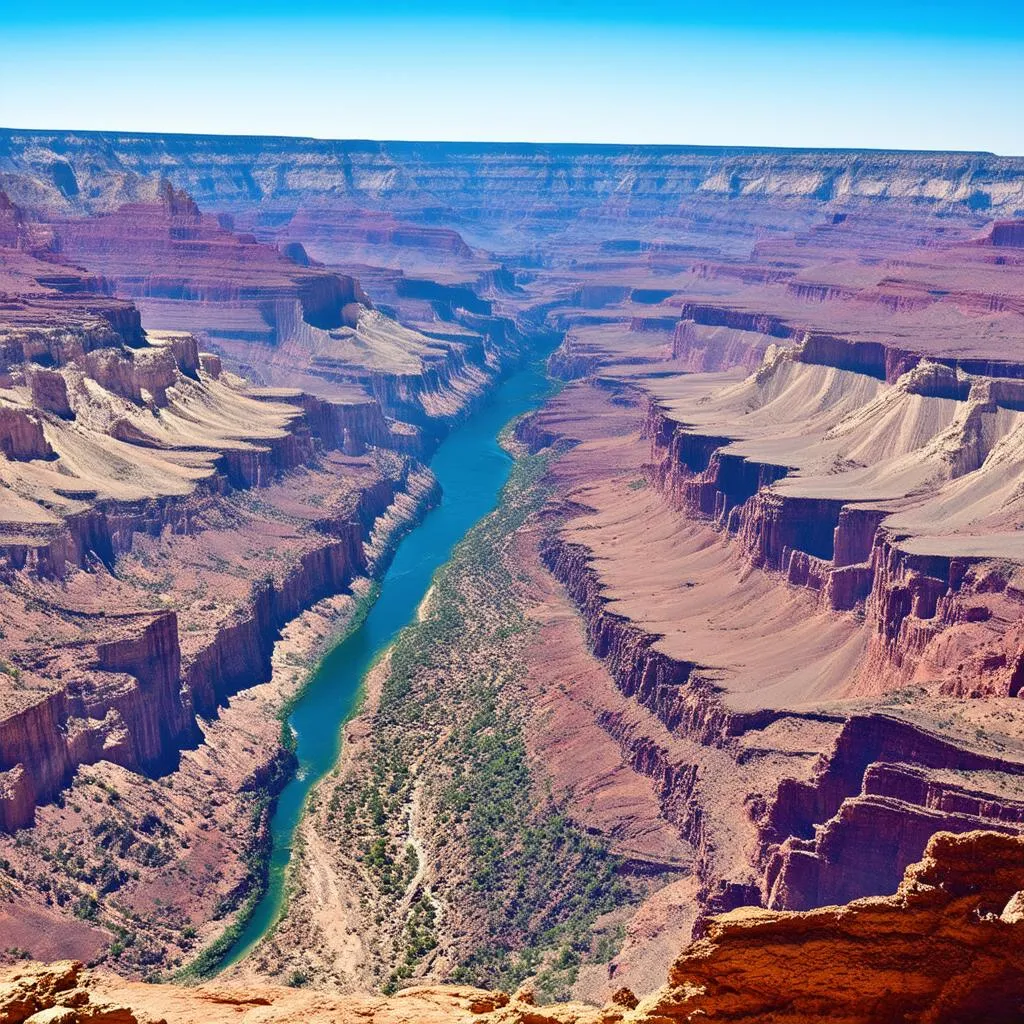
{"x":746,"y":630}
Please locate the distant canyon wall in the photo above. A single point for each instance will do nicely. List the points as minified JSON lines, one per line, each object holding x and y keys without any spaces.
{"x":483,"y":181}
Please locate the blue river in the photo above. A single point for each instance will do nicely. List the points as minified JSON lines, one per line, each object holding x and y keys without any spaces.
{"x":472,"y":468}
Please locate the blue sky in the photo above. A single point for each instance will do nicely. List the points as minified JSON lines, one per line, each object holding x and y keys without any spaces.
{"x":902,"y":74}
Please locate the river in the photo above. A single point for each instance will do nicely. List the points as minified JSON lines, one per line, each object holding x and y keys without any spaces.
{"x":472,"y":469}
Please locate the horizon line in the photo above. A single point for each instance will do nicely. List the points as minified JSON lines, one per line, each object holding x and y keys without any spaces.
{"x":356,"y":140}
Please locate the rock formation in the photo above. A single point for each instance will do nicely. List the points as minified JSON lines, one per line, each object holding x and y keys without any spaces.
{"x":946,"y":947}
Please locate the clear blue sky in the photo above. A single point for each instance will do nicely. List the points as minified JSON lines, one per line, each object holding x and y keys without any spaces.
{"x":900,"y":74}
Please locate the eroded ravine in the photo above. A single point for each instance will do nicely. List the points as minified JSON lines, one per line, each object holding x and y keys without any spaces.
{"x":471,"y":467}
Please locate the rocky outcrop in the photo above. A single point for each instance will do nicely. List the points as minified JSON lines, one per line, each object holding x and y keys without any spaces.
{"x":946,"y":948}
{"x":128,"y":709}
{"x":50,"y":393}
{"x":21,"y":435}
{"x":1008,"y":233}
{"x":530,"y":433}
{"x":778,"y":531}
{"x":706,"y":315}
{"x":363,"y":229}
{"x":719,"y":337}
{"x":703,"y":478}
{"x":871,"y":808}
{"x":57,"y":994}
{"x":702,"y":348}
{"x":571,"y":360}
{"x":36,"y":328}
{"x":130,"y":374}
{"x":446,"y":298}
{"x":917,"y":603}
{"x":774,"y":528}
{"x":351,"y":427}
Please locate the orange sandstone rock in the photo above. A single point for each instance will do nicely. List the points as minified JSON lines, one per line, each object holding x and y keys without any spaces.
{"x":949,"y":946}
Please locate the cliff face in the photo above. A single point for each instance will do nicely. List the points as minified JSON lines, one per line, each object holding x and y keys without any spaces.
{"x":133,"y":697}
{"x":825,"y":487}
{"x":818,"y":840}
{"x":129,"y":711}
{"x":174,"y":261}
{"x":1008,"y":233}
{"x":662,"y":684}
{"x":884,"y":778}
{"x":21,"y":436}
{"x":756,"y":534}
{"x":944,"y":948}
{"x":240,"y":655}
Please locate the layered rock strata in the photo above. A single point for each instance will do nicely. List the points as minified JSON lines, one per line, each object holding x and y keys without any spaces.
{"x":284,"y":320}
{"x":808,"y":840}
{"x":499,"y":180}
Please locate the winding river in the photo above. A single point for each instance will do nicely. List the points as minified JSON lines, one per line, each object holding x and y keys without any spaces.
{"x":472,"y":469}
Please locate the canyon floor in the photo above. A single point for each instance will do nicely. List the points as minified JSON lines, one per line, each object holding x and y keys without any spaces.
{"x":746,"y":629}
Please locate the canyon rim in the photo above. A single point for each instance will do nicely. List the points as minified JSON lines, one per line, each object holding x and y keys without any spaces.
{"x":515,"y":582}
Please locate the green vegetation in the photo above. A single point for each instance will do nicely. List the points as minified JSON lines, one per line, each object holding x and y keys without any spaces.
{"x":539,"y":880}
{"x":7,"y":669}
{"x":525,"y":883}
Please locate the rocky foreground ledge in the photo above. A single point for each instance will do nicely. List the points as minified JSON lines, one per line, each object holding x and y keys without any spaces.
{"x":947,"y":947}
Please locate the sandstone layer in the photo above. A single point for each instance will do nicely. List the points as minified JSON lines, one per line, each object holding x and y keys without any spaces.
{"x":83,"y":169}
